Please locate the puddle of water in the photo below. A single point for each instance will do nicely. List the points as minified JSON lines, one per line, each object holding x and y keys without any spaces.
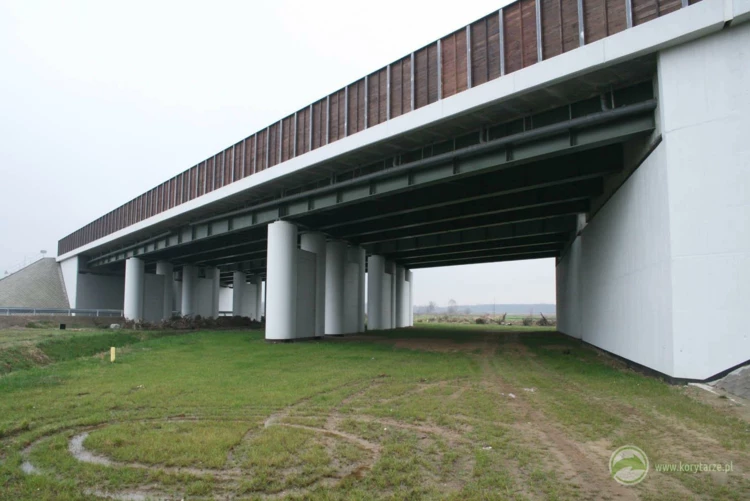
{"x":79,"y":452}
{"x":29,"y":468}
{"x":122,"y":496}
{"x":270,"y":421}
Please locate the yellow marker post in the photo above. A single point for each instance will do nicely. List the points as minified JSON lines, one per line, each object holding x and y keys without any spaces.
{"x":112,"y":354}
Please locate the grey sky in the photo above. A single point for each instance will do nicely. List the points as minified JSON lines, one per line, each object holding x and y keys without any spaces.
{"x":103,"y":100}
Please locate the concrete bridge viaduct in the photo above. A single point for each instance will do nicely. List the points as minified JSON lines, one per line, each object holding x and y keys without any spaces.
{"x":612,"y":135}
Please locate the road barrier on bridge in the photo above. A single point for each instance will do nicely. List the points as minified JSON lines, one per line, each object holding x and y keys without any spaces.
{"x":71,"y":312}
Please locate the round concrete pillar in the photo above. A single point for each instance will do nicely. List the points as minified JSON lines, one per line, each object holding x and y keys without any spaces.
{"x":134,"y":285}
{"x":189,"y":284}
{"x":239,"y":279}
{"x":410,"y":305}
{"x":281,"y":281}
{"x":258,"y":309}
{"x":316,"y":243}
{"x":215,"y":275}
{"x":375,"y":272}
{"x":167,"y":270}
{"x":400,"y":300}
{"x":357,"y":255}
{"x":335,"y":273}
{"x":391,"y":267}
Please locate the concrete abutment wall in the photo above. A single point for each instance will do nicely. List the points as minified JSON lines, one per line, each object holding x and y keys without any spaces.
{"x":661,"y":274}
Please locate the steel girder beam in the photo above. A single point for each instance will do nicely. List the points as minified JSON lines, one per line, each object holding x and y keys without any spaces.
{"x":549,"y":229}
{"x":552,"y":228}
{"x":560,"y":224}
{"x":481,"y":254}
{"x":251,"y":267}
{"x":526,"y":199}
{"x":460,"y":216}
{"x":545,"y":220}
{"x":483,"y":259}
{"x":188,"y":255}
{"x":513,"y":216}
{"x":578,"y":134}
{"x":546,"y":173}
{"x":211,"y":258}
{"x":571,"y":190}
{"x":556,"y":239}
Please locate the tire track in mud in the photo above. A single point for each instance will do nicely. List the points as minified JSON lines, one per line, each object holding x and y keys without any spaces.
{"x":588,"y":473}
{"x":576,"y":464}
{"x":228,"y":476}
{"x":674,"y":436}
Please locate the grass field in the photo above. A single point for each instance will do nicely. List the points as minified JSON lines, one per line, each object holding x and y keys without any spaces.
{"x":433,"y":412}
{"x":27,"y":348}
{"x":482,"y":320}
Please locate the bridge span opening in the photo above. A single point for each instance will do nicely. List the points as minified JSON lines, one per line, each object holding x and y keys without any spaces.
{"x":624,"y":157}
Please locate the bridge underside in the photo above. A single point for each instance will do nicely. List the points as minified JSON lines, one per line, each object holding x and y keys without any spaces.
{"x":631,"y":177}
{"x":503,"y":183}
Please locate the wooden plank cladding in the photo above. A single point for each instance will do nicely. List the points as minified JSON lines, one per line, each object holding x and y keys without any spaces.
{"x":337,"y":116}
{"x":647,"y":10}
{"x":426,"y":76}
{"x":274,"y":144}
{"x":485,"y":49}
{"x":520,"y":35}
{"x":517,"y":36}
{"x":287,"y":138}
{"x":319,"y":123}
{"x":356,"y":114}
{"x":603,"y":18}
{"x":454,"y":69}
{"x":377,"y":97}
{"x":401,"y":87}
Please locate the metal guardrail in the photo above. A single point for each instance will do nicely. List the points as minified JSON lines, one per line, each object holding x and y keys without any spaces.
{"x":71,"y":312}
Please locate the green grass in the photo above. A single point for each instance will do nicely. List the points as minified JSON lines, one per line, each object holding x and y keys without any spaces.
{"x":15,"y":337}
{"x":201,"y":444}
{"x":453,"y":327}
{"x":27,"y":348}
{"x":281,"y":458}
{"x":491,"y":322}
{"x":352,"y":419}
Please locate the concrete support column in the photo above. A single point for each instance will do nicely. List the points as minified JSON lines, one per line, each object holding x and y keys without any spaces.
{"x":259,"y":313}
{"x":336,"y":254}
{"x":167,"y":269}
{"x":410,"y":311}
{"x":239,"y":279}
{"x":252,"y":299}
{"x":281,"y":281}
{"x":400,"y":302}
{"x":316,"y":243}
{"x":375,"y":272}
{"x":359,"y":256}
{"x":392,"y":268}
{"x":189,"y":283}
{"x":215,"y":275}
{"x":134,"y":286}
{"x":217,"y":291}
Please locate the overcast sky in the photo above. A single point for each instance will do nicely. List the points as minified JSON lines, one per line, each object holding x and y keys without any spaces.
{"x":102,"y":100}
